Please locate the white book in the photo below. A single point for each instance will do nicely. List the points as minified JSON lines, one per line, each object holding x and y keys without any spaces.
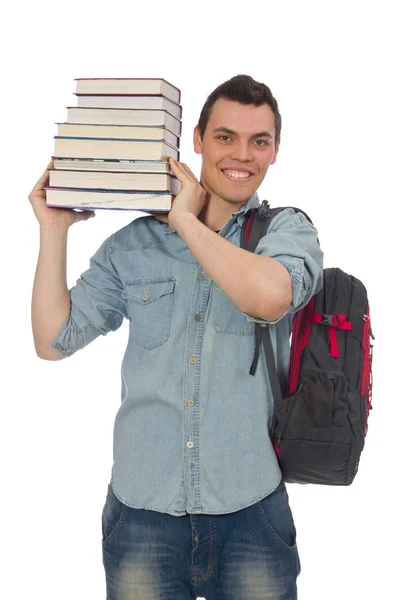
{"x":127,"y":132}
{"x":91,"y":200}
{"x":126,"y":116}
{"x":104,"y":180}
{"x":132,"y":166}
{"x":113,"y":149}
{"x":142,"y":102}
{"x":132,"y":85}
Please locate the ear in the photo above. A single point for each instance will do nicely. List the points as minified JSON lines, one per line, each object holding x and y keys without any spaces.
{"x":275,"y":153}
{"x":197,"y":143}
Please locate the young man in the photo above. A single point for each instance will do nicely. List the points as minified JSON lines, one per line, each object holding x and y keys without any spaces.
{"x":196,"y":506}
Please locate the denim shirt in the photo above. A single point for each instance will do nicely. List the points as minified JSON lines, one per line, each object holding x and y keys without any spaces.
{"x":193,"y":431}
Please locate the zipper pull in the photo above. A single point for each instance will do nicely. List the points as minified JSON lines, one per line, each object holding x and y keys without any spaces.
{"x":366,"y":318}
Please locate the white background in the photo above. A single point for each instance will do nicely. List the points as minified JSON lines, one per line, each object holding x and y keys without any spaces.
{"x":332,"y":69}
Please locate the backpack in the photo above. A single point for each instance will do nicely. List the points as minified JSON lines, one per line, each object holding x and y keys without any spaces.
{"x":320,"y":427}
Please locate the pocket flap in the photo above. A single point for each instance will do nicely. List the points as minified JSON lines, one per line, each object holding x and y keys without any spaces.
{"x":145,"y":292}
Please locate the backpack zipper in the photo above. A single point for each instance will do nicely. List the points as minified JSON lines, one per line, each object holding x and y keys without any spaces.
{"x":366,"y":382}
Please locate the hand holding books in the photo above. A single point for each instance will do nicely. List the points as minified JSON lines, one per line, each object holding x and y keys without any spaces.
{"x":53,"y":217}
{"x":190,"y":200}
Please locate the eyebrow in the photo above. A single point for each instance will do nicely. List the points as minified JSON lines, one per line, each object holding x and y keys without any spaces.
{"x":255,"y":135}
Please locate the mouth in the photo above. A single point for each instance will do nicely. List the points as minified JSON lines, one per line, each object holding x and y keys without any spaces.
{"x":237,"y":176}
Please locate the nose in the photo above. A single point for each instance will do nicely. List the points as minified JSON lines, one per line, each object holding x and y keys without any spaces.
{"x":241,"y":151}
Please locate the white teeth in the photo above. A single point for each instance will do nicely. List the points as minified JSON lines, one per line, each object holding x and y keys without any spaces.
{"x":237,"y":174}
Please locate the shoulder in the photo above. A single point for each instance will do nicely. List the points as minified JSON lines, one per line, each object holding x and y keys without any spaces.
{"x":288,"y":218}
{"x":142,"y":231}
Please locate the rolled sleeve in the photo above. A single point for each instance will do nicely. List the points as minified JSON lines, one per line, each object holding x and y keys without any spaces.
{"x":96,"y":304}
{"x":292,"y":240}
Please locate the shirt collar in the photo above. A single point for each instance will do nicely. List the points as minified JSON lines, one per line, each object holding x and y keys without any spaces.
{"x":253,"y":202}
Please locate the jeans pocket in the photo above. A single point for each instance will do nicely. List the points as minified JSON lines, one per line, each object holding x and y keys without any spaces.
{"x":112,"y":515}
{"x":276,"y":516}
{"x":149,"y":307}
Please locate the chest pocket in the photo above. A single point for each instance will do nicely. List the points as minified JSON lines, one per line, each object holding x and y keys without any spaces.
{"x":228,"y":318}
{"x":149,"y":306}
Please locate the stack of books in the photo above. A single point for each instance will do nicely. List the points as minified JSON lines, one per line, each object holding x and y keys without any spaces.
{"x":112,"y":152}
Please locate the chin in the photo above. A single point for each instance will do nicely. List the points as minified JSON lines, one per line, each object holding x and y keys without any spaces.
{"x":239,"y":195}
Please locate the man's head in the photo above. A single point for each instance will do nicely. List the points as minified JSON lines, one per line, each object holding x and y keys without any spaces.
{"x":238,"y":136}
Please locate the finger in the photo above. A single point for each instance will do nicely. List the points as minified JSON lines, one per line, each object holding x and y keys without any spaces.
{"x":44,"y":178}
{"x":84,"y":215}
{"x":178,"y":171}
{"x":189,"y":171}
{"x":162,"y":218}
{"x":182,"y":170}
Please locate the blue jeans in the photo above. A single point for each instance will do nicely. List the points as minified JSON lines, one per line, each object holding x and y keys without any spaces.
{"x":250,"y":554}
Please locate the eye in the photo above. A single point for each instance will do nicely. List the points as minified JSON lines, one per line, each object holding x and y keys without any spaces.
{"x":262,"y":142}
{"x":222,"y":137}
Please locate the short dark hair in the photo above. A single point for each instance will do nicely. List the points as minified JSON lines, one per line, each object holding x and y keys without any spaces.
{"x":243,"y":89}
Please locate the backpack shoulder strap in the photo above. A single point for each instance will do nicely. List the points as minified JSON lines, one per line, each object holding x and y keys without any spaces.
{"x":254,"y":228}
{"x":257,"y":223}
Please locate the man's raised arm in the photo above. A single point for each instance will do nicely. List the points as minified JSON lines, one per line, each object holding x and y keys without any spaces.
{"x":51,"y":297}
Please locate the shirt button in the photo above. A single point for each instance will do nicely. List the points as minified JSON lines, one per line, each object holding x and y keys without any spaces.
{"x":201,"y":276}
{"x":192,"y":360}
{"x":190,"y":444}
{"x":197,"y":317}
{"x":190,"y":402}
{"x":145,"y":297}
{"x":196,"y":538}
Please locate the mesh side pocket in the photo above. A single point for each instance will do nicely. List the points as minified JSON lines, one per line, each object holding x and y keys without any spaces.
{"x":319,"y":430}
{"x":321,"y":405}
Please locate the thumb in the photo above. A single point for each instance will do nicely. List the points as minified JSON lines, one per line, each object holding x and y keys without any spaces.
{"x":85,"y":215}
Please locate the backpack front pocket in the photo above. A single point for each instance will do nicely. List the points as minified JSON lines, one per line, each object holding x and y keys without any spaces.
{"x":149,"y":307}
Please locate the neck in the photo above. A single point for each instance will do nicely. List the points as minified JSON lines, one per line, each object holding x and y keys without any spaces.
{"x":217,"y":211}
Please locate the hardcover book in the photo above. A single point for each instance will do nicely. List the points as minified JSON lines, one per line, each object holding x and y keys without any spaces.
{"x":133,"y":166}
{"x":128,"y":86}
{"x":121,"y":200}
{"x":114,"y":149}
{"x":82,"y":130}
{"x":142,"y":102}
{"x":124,"y":116}
{"x":159,"y":182}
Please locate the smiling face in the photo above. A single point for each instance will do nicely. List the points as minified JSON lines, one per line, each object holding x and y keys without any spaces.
{"x":237,"y":149}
